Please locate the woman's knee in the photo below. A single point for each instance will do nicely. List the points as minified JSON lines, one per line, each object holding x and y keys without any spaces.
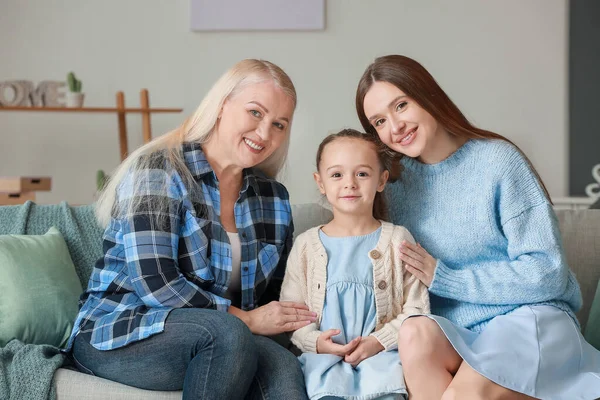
{"x":235,"y":334}
{"x":418,"y":336}
{"x":208,"y":328}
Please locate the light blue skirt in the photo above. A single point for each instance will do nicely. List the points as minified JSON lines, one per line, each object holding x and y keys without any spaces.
{"x":535,"y":350}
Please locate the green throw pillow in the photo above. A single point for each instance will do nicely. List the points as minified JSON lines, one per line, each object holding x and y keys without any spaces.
{"x":39,"y":289}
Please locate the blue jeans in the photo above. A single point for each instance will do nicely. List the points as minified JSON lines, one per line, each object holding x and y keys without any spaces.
{"x":206,"y":353}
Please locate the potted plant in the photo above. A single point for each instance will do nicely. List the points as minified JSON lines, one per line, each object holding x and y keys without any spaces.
{"x":74,"y":96}
{"x":101,"y":182}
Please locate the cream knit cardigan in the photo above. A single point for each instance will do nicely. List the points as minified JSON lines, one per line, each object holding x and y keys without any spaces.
{"x":398,"y":294}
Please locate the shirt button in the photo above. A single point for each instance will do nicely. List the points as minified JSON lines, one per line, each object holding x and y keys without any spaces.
{"x":246,"y":269}
{"x":244,"y":235}
{"x":382,"y":285}
{"x":375,"y":254}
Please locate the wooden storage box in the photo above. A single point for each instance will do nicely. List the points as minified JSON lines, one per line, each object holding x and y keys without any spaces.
{"x":11,"y":199}
{"x":20,"y":184}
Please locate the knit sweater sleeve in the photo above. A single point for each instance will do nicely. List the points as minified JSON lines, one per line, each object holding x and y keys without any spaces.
{"x":295,"y":289}
{"x":534,"y":268}
{"x":414,"y":295}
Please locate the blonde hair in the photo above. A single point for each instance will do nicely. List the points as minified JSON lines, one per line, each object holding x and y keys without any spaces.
{"x":166,"y":149}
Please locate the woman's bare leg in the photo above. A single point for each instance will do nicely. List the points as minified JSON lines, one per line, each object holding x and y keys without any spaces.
{"x":468,"y":384}
{"x":428,"y":359}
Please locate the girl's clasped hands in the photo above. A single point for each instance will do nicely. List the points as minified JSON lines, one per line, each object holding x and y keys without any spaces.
{"x":353,"y":352}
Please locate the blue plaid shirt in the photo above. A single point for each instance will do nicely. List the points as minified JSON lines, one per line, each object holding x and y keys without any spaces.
{"x":159,"y":260}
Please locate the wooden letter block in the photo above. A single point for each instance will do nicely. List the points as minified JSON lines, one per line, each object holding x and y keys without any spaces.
{"x":20,"y":93}
{"x":36,"y":95}
{"x":52,"y":97}
{"x":24,"y":93}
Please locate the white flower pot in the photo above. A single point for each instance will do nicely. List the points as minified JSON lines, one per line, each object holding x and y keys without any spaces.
{"x":74,"y":100}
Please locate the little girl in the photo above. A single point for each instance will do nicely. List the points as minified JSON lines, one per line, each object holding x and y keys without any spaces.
{"x":349,"y":272}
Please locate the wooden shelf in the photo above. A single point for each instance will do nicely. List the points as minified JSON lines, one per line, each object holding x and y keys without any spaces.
{"x":121,"y":112}
{"x":94,"y":109}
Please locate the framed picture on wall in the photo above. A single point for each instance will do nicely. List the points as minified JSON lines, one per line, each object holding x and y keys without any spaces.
{"x":257,"y":15}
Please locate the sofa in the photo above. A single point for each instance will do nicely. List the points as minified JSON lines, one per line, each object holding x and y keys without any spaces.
{"x":580,"y":230}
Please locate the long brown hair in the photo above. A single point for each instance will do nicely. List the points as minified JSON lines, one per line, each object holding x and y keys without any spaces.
{"x":417,"y":83}
{"x":388,"y":161}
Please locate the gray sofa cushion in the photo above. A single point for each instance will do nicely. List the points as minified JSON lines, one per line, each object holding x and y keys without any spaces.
{"x":73,"y":385}
{"x":309,"y":215}
{"x":580,"y":231}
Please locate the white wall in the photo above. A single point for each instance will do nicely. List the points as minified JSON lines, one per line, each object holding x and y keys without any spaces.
{"x":504,"y":63}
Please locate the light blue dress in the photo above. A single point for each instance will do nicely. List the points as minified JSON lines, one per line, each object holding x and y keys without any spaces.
{"x":350,"y":307}
{"x":537,"y":350}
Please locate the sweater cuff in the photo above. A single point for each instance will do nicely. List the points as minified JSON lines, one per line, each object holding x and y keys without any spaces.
{"x":310,"y":341}
{"x":387,"y":336}
{"x":445,"y":282}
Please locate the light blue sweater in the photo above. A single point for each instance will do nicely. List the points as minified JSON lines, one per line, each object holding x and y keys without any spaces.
{"x":483,"y":215}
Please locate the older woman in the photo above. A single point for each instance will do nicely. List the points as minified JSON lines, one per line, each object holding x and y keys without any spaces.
{"x":197,"y":235}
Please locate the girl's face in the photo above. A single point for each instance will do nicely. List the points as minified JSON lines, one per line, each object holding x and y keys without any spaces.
{"x":401,"y":123}
{"x":253,"y":123}
{"x":349,"y":175}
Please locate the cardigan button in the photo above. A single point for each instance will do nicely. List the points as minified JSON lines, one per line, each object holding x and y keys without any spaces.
{"x":375,"y":254}
{"x":382,"y":285}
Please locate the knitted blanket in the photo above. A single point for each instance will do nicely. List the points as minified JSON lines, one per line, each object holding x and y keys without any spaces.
{"x":26,"y":370}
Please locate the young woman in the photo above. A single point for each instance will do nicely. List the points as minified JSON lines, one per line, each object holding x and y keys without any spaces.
{"x":197,"y":235}
{"x":350,"y":273}
{"x":489,"y":250}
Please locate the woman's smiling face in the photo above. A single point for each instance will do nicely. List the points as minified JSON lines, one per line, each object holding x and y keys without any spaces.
{"x":253,"y":123}
{"x":401,"y":123}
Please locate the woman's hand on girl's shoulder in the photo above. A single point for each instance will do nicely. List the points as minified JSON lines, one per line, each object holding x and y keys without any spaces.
{"x":278,"y":317}
{"x":325,"y":345}
{"x":418,"y":261}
